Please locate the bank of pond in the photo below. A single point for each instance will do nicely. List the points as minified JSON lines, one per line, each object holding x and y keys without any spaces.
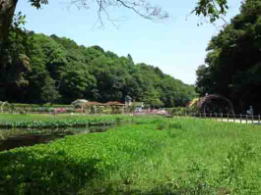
{"x":137,"y":155}
{"x":13,"y":138}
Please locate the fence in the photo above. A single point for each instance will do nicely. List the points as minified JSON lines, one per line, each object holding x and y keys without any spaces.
{"x":237,"y":118}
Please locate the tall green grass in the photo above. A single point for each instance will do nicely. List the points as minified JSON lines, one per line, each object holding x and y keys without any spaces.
{"x":55,"y":121}
{"x":155,"y":156}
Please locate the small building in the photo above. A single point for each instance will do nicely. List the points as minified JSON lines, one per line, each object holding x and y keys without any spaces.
{"x":115,"y":106}
{"x":79,"y":103}
{"x":93,"y":107}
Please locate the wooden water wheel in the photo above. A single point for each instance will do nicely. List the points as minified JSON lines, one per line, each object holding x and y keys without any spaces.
{"x":214,"y":103}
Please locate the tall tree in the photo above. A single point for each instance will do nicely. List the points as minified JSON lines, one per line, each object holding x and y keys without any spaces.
{"x":233,"y":63}
{"x":7,"y":9}
{"x":17,"y":63}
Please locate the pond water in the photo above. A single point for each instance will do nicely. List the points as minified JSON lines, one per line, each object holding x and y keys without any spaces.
{"x":13,"y":138}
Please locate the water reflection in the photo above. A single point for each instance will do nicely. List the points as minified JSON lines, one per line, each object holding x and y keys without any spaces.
{"x":13,"y":138}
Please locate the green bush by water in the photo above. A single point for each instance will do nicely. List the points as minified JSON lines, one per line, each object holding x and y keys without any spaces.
{"x":55,"y":121}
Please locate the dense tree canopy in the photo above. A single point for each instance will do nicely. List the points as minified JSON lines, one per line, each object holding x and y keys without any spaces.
{"x":53,"y":69}
{"x":233,"y":62}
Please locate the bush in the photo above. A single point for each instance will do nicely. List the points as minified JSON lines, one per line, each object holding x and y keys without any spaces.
{"x":44,"y":172}
{"x":182,"y":111}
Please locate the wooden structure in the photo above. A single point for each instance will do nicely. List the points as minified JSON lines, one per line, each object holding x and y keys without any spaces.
{"x":109,"y":107}
{"x":214,"y":103}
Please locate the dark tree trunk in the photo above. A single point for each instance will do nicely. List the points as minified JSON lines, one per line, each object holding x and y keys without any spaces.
{"x":7,"y":9}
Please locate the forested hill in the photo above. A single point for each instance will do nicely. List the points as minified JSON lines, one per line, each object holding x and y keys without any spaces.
{"x":52,"y":69}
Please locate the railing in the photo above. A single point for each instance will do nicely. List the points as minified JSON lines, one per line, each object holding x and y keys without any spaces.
{"x":237,"y":118}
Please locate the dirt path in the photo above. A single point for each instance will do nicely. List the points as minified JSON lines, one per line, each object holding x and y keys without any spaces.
{"x":243,"y":121}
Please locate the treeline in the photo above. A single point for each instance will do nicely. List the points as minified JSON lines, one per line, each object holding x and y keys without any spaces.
{"x":44,"y":69}
{"x":233,"y":62}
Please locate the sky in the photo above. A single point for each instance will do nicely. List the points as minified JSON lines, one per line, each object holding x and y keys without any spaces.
{"x":176,"y":45}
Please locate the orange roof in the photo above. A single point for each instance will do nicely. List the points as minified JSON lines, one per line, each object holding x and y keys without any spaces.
{"x":111,"y":103}
{"x":93,"y":103}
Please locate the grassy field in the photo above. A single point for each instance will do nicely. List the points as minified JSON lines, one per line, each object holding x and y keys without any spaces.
{"x":153,"y":156}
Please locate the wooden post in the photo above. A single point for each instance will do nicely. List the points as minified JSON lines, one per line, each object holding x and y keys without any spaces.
{"x":227,"y":117}
{"x":240,"y":118}
{"x":246,"y":118}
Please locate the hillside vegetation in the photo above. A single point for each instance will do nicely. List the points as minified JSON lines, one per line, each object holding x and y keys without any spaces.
{"x":52,"y":69}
